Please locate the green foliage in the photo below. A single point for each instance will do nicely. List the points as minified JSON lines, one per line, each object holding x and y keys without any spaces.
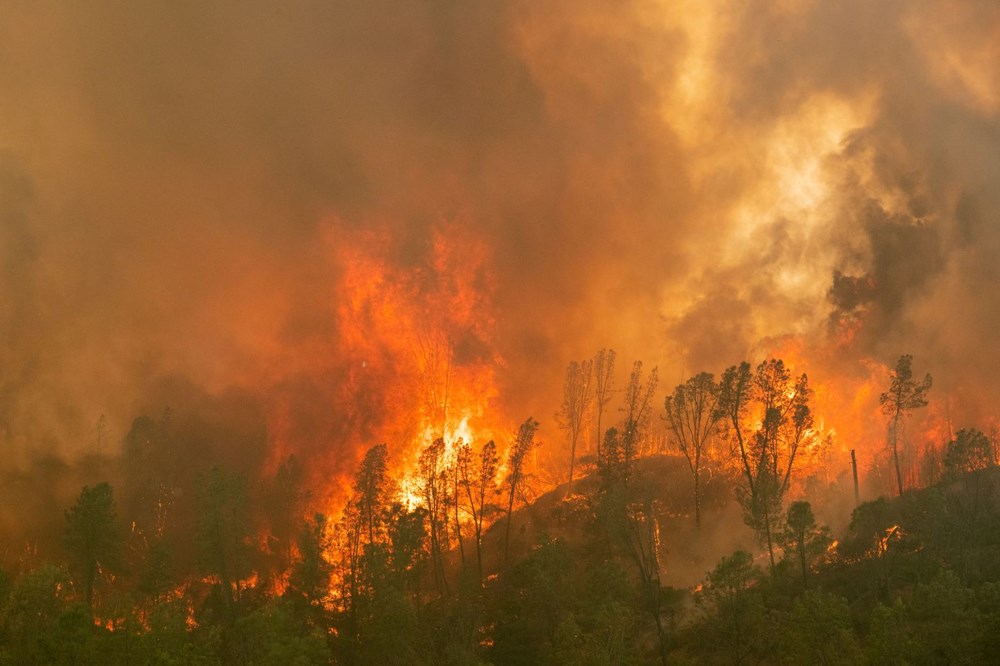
{"x":735,"y":625}
{"x":271,"y":635}
{"x":546,"y":610}
{"x":818,"y":630}
{"x":169,"y":641}
{"x":802,"y":539}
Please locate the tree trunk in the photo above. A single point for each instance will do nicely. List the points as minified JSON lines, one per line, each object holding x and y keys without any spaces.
{"x":572,"y":461}
{"x":767,"y":531}
{"x":697,"y":498}
{"x":854,"y":466}
{"x":895,"y":453}
{"x":802,"y":560}
{"x":506,"y":540}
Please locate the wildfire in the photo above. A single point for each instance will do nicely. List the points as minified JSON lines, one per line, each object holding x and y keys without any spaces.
{"x":894,"y":533}
{"x":415,"y":332}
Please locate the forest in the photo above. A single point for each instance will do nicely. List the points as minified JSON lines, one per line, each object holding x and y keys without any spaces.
{"x":464,"y":559}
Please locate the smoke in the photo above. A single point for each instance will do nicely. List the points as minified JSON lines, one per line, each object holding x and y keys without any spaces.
{"x":690,"y":183}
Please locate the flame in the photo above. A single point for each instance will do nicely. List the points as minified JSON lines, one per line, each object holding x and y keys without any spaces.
{"x":414,"y":352}
{"x":893,"y":533}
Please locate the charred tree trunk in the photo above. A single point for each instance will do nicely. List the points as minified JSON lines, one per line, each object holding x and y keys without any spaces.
{"x":854,"y":467}
{"x":895,"y":454}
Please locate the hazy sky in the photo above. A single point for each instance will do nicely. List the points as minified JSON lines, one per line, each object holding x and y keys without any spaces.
{"x":181,"y":184}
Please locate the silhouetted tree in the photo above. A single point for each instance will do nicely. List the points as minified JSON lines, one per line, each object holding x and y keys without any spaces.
{"x":576,"y":401}
{"x":478,"y":480}
{"x":768,"y":447}
{"x":692,"y":416}
{"x":92,"y":536}
{"x":224,"y":531}
{"x":802,"y":538}
{"x":516,"y":474}
{"x":434,"y":493}
{"x":310,"y":576}
{"x":904,"y":395}
{"x":370,"y":489}
{"x":971,"y":450}
{"x":635,"y":414}
{"x":604,"y":372}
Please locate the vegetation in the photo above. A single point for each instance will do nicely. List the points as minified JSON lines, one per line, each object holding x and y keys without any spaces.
{"x":561,"y":578}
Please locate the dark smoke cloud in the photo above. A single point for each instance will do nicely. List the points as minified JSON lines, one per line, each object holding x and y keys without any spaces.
{"x":175,"y":176}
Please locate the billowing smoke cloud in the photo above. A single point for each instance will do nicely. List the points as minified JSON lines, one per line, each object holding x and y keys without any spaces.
{"x":690,"y":183}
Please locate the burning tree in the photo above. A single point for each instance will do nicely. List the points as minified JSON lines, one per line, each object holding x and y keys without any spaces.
{"x":904,"y":395}
{"x":692,"y":415}
{"x":576,"y":401}
{"x":768,"y":416}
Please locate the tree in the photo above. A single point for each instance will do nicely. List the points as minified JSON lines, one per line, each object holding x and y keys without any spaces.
{"x":370,"y":489}
{"x":224,"y":531}
{"x":736,"y":618}
{"x":818,"y":631}
{"x":576,"y":401}
{"x":971,"y":450}
{"x":92,"y":537}
{"x":692,"y":416}
{"x":635,"y":414}
{"x":516,"y":474}
{"x":311,"y":572}
{"x":454,"y":497}
{"x":287,"y":498}
{"x":802,"y":538}
{"x":361,"y":524}
{"x":102,"y":435}
{"x":904,"y":395}
{"x":478,"y":480}
{"x":640,"y":532}
{"x":767,"y":445}
{"x":604,"y":371}
{"x":434,"y":490}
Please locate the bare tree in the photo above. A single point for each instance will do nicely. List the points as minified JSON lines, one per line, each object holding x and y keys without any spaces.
{"x":478,"y":480}
{"x":576,"y":401}
{"x":692,"y":416}
{"x":514,"y":483}
{"x":904,"y":395}
{"x":636,"y":409}
{"x":604,"y":370}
